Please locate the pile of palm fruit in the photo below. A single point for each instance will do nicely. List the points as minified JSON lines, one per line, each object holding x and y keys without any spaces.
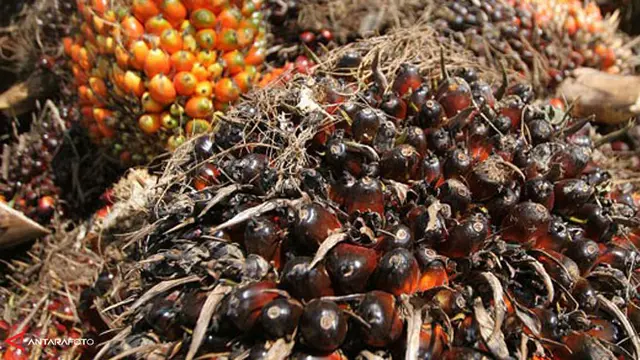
{"x":28,"y":182}
{"x":387,"y":210}
{"x":202,"y":56}
{"x":543,"y":40}
{"x":49,"y":167}
{"x":404,"y":199}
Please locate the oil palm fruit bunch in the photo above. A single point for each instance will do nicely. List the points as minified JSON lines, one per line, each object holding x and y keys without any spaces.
{"x":151,"y":73}
{"x":398,"y":216}
{"x":29,"y":182}
{"x":53,"y":169}
{"x":31,"y":67}
{"x":539,"y":38}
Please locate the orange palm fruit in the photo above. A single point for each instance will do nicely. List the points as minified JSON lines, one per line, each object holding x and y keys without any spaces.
{"x":149,"y":105}
{"x":98,"y":86}
{"x":133,"y":29}
{"x":244,"y":80}
{"x":198,"y":107}
{"x":156,"y":25}
{"x":226,"y":90}
{"x":200,"y":71}
{"x":229,"y":18}
{"x":171,"y":41}
{"x":161,"y":89}
{"x":206,"y":57}
{"x":197,"y":126}
{"x":133,"y":84}
{"x":228,"y":40}
{"x":204,"y":88}
{"x":144,"y":9}
{"x":182,"y":61}
{"x":203,"y":19}
{"x":149,"y":123}
{"x":206,"y":39}
{"x":234,"y":60}
{"x":157,"y":62}
{"x":173,"y":10}
{"x":139,"y":52}
{"x":185,"y":83}
{"x":256,"y":56}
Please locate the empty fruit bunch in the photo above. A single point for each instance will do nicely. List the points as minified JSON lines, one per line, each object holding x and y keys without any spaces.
{"x":151,"y":73}
{"x":542,"y":39}
{"x":381,"y":212}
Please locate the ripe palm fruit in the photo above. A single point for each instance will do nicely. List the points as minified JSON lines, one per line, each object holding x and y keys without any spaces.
{"x":567,"y":34}
{"x":246,"y":303}
{"x":379,"y":309}
{"x":29,"y":182}
{"x":279,"y":318}
{"x":397,"y":272}
{"x":350,"y":267}
{"x":30,"y":185}
{"x":151,"y":73}
{"x":323,"y":325}
{"x":370,"y":216}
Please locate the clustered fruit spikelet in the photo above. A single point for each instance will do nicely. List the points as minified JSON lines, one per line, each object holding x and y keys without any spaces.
{"x":451,"y":202}
{"x":151,"y":73}
{"x":539,"y":38}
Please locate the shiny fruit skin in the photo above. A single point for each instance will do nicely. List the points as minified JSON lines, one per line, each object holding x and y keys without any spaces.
{"x":433,"y":341}
{"x":365,"y":126}
{"x":431,"y":115}
{"x":394,"y":107}
{"x":303,"y":283}
{"x":570,"y":194}
{"x":350,"y":267}
{"x":400,"y":164}
{"x":150,"y":123}
{"x":246,"y":303}
{"x":454,"y":95}
{"x":323,"y":326}
{"x":185,"y":83}
{"x":262,"y":237}
{"x":466,"y":237}
{"x":279,"y":318}
{"x":430,"y":169}
{"x":417,"y":138}
{"x":157,"y":62}
{"x":199,"y":107}
{"x":380,"y":311}
{"x":161,"y":89}
{"x":584,"y":252}
{"x":399,"y":236}
{"x":407,"y":79}
{"x":432,"y":273}
{"x":527,"y":222}
{"x":207,"y":176}
{"x":226,"y":90}
{"x":366,"y":196}
{"x":397,"y":272}
{"x":456,"y":194}
{"x":314,"y":224}
{"x":540,"y":191}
